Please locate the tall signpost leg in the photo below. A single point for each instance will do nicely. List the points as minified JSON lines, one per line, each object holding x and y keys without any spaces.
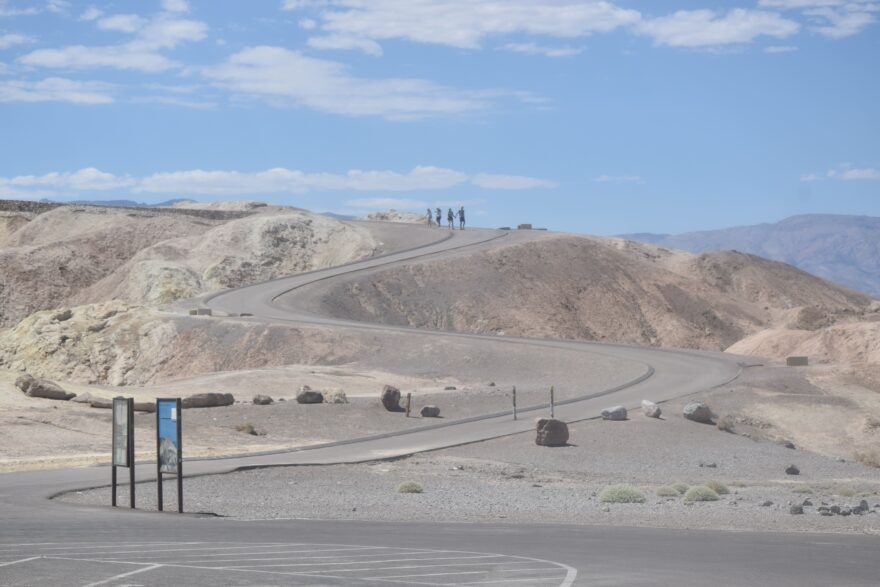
{"x":514,"y":402}
{"x":552,"y":404}
{"x":113,"y":484}
{"x":131,"y":452}
{"x":158,"y":459}
{"x":179,"y":458}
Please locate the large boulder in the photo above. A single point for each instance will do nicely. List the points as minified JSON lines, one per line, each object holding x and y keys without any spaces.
{"x":42,"y":388}
{"x":430,"y":412}
{"x":208,"y":400}
{"x":263,"y":400}
{"x":551,"y":432}
{"x":83,"y":398}
{"x":334,"y":395}
{"x":307,"y":395}
{"x":698,"y":412}
{"x":148,"y":407}
{"x":617,"y":413}
{"x":390,"y":398}
{"x":650,"y":409}
{"x":102,"y":403}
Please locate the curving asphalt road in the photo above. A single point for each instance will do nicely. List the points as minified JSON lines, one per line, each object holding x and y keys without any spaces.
{"x":49,"y":543}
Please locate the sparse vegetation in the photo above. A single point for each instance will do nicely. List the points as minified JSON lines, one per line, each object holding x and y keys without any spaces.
{"x":621,"y":493}
{"x":718,"y":487}
{"x":700,"y":493}
{"x":846,"y":492}
{"x":681,"y":487}
{"x":248,"y":428}
{"x":410,"y":487}
{"x":870,"y":458}
{"x":335,"y":396}
{"x":802,"y":489}
{"x":667,"y":491}
{"x":726,"y":423}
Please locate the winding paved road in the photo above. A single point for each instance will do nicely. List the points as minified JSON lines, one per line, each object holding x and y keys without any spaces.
{"x":49,"y":543}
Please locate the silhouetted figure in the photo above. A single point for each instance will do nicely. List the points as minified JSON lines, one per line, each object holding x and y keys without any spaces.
{"x":430,"y":217}
{"x":439,"y":217}
{"x":461,"y":218}
{"x":450,"y":217}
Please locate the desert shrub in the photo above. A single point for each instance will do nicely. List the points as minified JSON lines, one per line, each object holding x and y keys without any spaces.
{"x":725,"y":424}
{"x":335,"y":396}
{"x":870,"y":458}
{"x":667,"y":491}
{"x":680,"y":487}
{"x":802,"y":489}
{"x":718,"y":487}
{"x":247,"y":428}
{"x":700,"y":493}
{"x":846,"y":492}
{"x":621,"y":494}
{"x":410,"y":487}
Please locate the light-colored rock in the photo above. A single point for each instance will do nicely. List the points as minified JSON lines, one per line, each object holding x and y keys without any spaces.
{"x":208,"y":400}
{"x":335,"y":395}
{"x":390,"y":398}
{"x":616,"y":413}
{"x":551,"y":432}
{"x":430,"y":412}
{"x":263,"y":400}
{"x":650,"y":409}
{"x":83,"y":398}
{"x":698,"y":412}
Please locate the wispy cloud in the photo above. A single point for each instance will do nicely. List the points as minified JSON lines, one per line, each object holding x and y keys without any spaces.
{"x":56,"y":89}
{"x":535,"y":49}
{"x":11,"y":39}
{"x":844,"y":172}
{"x":708,"y":28}
{"x":618,"y":179}
{"x":343,"y":42}
{"x":775,"y":49}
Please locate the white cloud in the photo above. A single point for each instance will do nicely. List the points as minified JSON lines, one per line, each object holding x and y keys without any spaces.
{"x":780,"y":49}
{"x":278,"y":180}
{"x":288,"y":78}
{"x":535,"y":49}
{"x":141,"y":53}
{"x":175,"y":5}
{"x":347,"y":43}
{"x":12,"y":39}
{"x":859,"y":174}
{"x":55,"y":89}
{"x":126,"y":23}
{"x":618,"y":179}
{"x":307,"y":24}
{"x":838,"y":23}
{"x":810,"y":177}
{"x":707,"y":28}
{"x":387,"y":203}
{"x":91,"y":13}
{"x":466,"y":23}
{"x":845,"y":172}
{"x":175,"y":101}
{"x":510,"y":182}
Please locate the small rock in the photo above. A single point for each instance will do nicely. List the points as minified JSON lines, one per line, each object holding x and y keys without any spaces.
{"x":708,"y":465}
{"x":308,"y":396}
{"x":835,"y":509}
{"x":807,"y":502}
{"x":491,"y":384}
{"x":390,"y":398}
{"x":63,"y":315}
{"x":863,"y":505}
{"x":551,"y":432}
{"x":335,"y":395}
{"x":263,"y":400}
{"x":24,"y":382}
{"x":844,"y":511}
{"x":449,"y":388}
{"x":825,"y":513}
{"x":83,"y":398}
{"x":796,"y":509}
{"x":767,"y":504}
{"x":430,"y":412}
{"x":101,"y":403}
{"x":617,"y":413}
{"x":698,"y":412}
{"x":792,"y":470}
{"x":788,"y":444}
{"x":208,"y":400}
{"x":650,"y":409}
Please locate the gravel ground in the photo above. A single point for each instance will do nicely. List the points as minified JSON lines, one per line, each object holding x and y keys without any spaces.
{"x":512,"y":479}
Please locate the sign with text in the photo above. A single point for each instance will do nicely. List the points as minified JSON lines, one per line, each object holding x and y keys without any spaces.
{"x":121,"y":433}
{"x":169,"y":438}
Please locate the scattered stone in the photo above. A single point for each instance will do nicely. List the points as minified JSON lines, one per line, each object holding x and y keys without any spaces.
{"x":391,"y":398}
{"x":796,"y":509}
{"x":449,"y":388}
{"x":63,"y":315}
{"x":43,"y":388}
{"x":148,"y":407}
{"x":208,"y":400}
{"x":807,"y":502}
{"x":863,"y":505}
{"x":335,"y":396}
{"x":698,"y":412}
{"x":835,"y":509}
{"x":650,"y":409}
{"x":83,"y":398}
{"x":430,"y":412}
{"x":617,"y":413}
{"x":551,"y":432}
{"x":792,"y":470}
{"x":24,"y":382}
{"x":767,"y":504}
{"x":263,"y":400}
{"x":788,"y":444}
{"x":708,"y":465}
{"x":306,"y":395}
{"x":101,"y":403}
{"x":845,"y":511}
{"x":491,"y":384}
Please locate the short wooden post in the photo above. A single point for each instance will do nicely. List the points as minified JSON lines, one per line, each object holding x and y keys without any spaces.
{"x":552,"y":404}
{"x":514,"y":402}
{"x":408,"y":403}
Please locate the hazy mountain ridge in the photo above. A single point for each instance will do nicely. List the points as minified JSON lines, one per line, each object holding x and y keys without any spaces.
{"x":843,"y":249}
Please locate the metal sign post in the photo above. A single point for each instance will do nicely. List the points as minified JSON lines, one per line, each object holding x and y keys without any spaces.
{"x":552,"y":404}
{"x":123,"y":444}
{"x":168,"y":445}
{"x":514,"y":402}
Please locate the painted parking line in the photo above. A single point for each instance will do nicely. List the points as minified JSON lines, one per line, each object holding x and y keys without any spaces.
{"x":23,"y":560}
{"x":122,"y":576}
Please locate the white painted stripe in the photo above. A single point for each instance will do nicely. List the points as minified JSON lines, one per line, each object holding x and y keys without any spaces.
{"x":298,"y":558}
{"x":23,"y":560}
{"x":393,"y":560}
{"x":506,"y":581}
{"x":122,"y":576}
{"x":49,"y":545}
{"x":244,"y":554}
{"x":454,"y":565}
{"x":146,"y":553}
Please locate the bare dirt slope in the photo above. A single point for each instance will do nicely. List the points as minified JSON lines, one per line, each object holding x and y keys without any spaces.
{"x":599,"y":289}
{"x":84,"y":254}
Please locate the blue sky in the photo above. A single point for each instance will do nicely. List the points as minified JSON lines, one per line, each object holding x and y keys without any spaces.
{"x":599,"y":117}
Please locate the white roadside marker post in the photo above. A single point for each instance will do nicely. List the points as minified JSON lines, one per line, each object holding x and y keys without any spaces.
{"x":408,"y":403}
{"x":514,"y":402}
{"x":552,"y":404}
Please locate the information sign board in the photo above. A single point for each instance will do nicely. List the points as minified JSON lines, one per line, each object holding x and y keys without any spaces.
{"x":121,"y":433}
{"x":169,"y":441}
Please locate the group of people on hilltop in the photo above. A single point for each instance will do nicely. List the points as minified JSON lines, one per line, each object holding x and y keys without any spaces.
{"x":450,"y":218}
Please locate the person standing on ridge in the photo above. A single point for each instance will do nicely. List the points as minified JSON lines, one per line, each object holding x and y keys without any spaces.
{"x":461,"y":218}
{"x":430,"y":217}
{"x":439,"y":217}
{"x":450,"y":217}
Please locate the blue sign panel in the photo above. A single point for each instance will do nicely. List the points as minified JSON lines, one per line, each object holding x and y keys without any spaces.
{"x":169,"y":443}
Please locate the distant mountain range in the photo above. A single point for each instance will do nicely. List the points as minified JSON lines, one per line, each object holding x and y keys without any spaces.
{"x":123,"y":203}
{"x":842,"y":249}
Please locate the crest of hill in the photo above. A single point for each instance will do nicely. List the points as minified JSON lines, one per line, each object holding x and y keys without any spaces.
{"x":396,"y":216}
{"x":602,"y":289}
{"x":842,"y":249}
{"x":84,"y":254}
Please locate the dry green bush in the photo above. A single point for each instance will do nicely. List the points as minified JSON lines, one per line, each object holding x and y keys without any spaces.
{"x":681,"y":487}
{"x":621,"y":493}
{"x":667,"y":491}
{"x":718,"y":487}
{"x":410,"y":487}
{"x":700,"y":493}
{"x":726,"y":423}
